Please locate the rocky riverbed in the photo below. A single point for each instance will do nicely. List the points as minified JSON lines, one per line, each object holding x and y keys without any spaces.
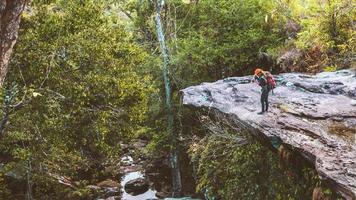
{"x":148,"y":178}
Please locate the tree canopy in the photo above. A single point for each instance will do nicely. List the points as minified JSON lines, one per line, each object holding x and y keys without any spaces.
{"x":86,"y":75}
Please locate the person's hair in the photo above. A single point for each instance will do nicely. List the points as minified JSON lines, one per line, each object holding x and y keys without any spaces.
{"x":259,"y":71}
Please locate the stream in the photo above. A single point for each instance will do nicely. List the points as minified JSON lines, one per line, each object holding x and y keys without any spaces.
{"x":149,"y":194}
{"x":156,"y":173}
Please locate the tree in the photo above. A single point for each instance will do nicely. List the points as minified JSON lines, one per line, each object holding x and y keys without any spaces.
{"x":329,"y":25}
{"x":10,"y":16}
{"x":79,"y":67}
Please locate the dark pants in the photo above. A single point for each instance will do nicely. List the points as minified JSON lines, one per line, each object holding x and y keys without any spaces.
{"x":264,"y":98}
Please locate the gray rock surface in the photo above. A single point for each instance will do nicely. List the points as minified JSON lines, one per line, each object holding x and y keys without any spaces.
{"x":314,"y":115}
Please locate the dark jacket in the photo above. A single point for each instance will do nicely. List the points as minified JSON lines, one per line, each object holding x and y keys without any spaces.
{"x":262,"y":80}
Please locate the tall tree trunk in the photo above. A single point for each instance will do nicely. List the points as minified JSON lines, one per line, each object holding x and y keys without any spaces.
{"x":176,"y":176}
{"x":10,"y":12}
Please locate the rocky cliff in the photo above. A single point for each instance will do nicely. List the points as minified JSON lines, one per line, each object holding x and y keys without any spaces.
{"x":313,"y":115}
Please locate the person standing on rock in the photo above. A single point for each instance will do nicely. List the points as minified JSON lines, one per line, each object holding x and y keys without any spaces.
{"x":266,"y":81}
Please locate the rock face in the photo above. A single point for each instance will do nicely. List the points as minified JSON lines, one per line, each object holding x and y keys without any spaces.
{"x":313,"y":115}
{"x":136,"y":186}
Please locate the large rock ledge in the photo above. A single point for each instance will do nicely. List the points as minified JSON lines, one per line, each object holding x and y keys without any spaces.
{"x":315,"y":115}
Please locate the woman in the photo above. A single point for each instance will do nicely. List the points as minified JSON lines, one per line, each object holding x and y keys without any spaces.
{"x":261,"y":77}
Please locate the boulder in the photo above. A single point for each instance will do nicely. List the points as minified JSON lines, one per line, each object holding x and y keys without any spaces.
{"x":314,"y":115}
{"x":137,"y":186}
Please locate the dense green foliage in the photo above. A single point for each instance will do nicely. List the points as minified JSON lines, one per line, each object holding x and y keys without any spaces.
{"x":208,"y":39}
{"x":76,"y":70}
{"x":229,"y":171}
{"x":326,"y":27}
{"x":87,"y":74}
{"x":221,"y":43}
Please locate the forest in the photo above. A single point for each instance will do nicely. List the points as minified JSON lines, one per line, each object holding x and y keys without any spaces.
{"x":91,"y":92}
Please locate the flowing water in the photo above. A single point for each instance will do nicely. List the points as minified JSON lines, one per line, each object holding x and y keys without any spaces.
{"x":149,"y":194}
{"x":159,"y":177}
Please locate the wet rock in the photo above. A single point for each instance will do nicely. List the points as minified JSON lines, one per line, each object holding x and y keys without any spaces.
{"x":108,"y":183}
{"x":132,"y":168}
{"x":127,"y":160}
{"x":105,"y":189}
{"x":137,"y":186}
{"x":163,"y":194}
{"x":313,"y":115}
